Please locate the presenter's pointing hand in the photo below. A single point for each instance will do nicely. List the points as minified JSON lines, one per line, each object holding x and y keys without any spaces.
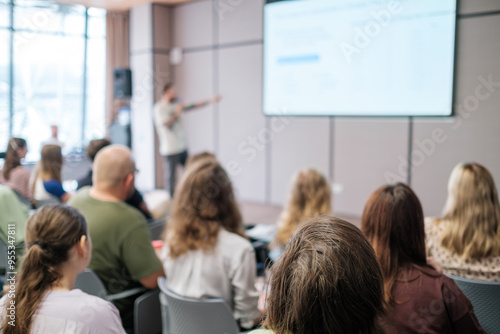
{"x":216,"y":98}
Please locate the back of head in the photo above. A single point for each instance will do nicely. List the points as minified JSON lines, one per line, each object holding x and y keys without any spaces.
{"x":198,"y":157}
{"x":204,"y":201}
{"x":51,"y":163}
{"x":473,"y":210}
{"x":12,"y":158}
{"x":112,"y":164}
{"x":393,"y":222}
{"x":310,"y":197}
{"x":50,"y":233}
{"x":95,"y":146}
{"x":328,"y":280}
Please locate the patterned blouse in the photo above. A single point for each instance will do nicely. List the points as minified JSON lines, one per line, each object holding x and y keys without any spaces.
{"x":486,"y":269}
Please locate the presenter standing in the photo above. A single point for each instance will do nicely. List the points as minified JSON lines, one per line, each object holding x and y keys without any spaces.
{"x":170,"y":129}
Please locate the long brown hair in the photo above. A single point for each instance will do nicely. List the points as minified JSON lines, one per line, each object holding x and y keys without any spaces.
{"x":393,"y":222}
{"x":203,"y":202}
{"x":310,"y":197}
{"x":473,"y":211}
{"x":12,"y":159}
{"x":327,"y":281}
{"x":51,"y":163}
{"x":49,"y":167}
{"x":50,"y":233}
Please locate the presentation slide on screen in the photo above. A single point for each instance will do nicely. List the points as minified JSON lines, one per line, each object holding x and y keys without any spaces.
{"x":359,"y":58}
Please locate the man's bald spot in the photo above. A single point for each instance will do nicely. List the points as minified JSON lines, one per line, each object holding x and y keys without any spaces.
{"x":112,"y":165}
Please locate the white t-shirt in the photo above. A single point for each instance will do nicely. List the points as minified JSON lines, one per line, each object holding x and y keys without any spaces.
{"x":172,"y":140}
{"x":75,"y":312}
{"x":227,"y":272}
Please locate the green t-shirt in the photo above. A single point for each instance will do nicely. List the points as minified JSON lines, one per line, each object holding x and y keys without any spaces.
{"x":122,"y":253}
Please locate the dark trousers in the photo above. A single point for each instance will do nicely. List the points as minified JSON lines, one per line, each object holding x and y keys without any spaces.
{"x":171,"y":170}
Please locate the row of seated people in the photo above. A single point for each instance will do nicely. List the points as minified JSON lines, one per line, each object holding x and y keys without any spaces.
{"x":327,"y":277}
{"x":45,"y":182}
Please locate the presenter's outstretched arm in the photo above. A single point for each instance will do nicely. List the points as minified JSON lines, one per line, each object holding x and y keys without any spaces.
{"x":214,"y":99}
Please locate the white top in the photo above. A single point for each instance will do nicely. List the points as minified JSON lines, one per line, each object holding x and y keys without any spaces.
{"x":75,"y":312}
{"x":172,"y":140}
{"x":40,"y":193}
{"x":227,"y":272}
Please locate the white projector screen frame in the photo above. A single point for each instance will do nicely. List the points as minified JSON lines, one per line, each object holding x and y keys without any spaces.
{"x":313,"y":68}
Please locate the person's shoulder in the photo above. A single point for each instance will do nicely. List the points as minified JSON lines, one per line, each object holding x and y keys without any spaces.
{"x":99,"y":311}
{"x":233,"y":246}
{"x":20,"y":171}
{"x":262,"y":331}
{"x":80,"y":196}
{"x":434,"y":226}
{"x":233,"y":240}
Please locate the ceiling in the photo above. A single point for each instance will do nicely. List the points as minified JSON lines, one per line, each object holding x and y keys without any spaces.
{"x":120,"y":5}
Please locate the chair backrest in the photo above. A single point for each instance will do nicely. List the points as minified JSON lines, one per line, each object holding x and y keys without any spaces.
{"x":156,"y":229}
{"x":90,"y":283}
{"x":485,"y":297}
{"x":3,"y":258}
{"x":147,"y":313}
{"x":193,"y":316}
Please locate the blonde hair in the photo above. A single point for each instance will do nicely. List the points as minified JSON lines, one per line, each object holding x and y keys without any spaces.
{"x":203,"y":203}
{"x":310,"y":197}
{"x":473,"y":211}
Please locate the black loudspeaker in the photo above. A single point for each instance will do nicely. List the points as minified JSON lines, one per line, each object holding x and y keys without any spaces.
{"x":123,"y":83}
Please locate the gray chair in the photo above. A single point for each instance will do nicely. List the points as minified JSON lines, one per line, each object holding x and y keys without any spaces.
{"x":147,"y":313}
{"x":156,"y":228}
{"x":183,"y":315}
{"x":3,"y":260}
{"x":44,"y":202}
{"x":485,"y":297}
{"x":147,"y":309}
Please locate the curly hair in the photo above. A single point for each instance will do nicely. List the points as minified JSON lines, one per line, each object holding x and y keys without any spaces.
{"x":203,"y":203}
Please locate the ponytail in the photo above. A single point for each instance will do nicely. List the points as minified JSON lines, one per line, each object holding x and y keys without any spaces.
{"x":50,"y":233}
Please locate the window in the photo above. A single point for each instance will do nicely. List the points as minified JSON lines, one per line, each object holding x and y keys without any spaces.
{"x":4,"y":89}
{"x":57,"y":73}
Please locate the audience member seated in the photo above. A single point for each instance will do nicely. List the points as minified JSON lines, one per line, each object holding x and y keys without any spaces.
{"x":193,"y":159}
{"x":58,"y":249}
{"x":327,"y":281}
{"x":205,"y":252}
{"x":14,"y":175}
{"x":135,"y":200}
{"x":466,"y":241}
{"x":47,"y":180}
{"x":12,"y":212}
{"x":309,"y":197}
{"x":123,"y":256}
{"x":421,"y":299}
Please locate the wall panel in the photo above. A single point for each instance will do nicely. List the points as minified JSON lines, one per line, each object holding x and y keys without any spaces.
{"x":473,"y":134}
{"x":298,"y":143}
{"x":368,"y":153}
{"x":242,"y":127}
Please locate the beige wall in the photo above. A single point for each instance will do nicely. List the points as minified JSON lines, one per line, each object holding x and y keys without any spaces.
{"x":223,"y":54}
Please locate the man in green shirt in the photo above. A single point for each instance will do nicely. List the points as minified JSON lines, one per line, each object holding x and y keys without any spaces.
{"x":122,"y":254}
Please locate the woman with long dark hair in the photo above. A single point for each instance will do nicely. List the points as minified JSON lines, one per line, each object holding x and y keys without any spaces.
{"x":58,"y":249}
{"x":421,"y":299}
{"x":13,"y":175}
